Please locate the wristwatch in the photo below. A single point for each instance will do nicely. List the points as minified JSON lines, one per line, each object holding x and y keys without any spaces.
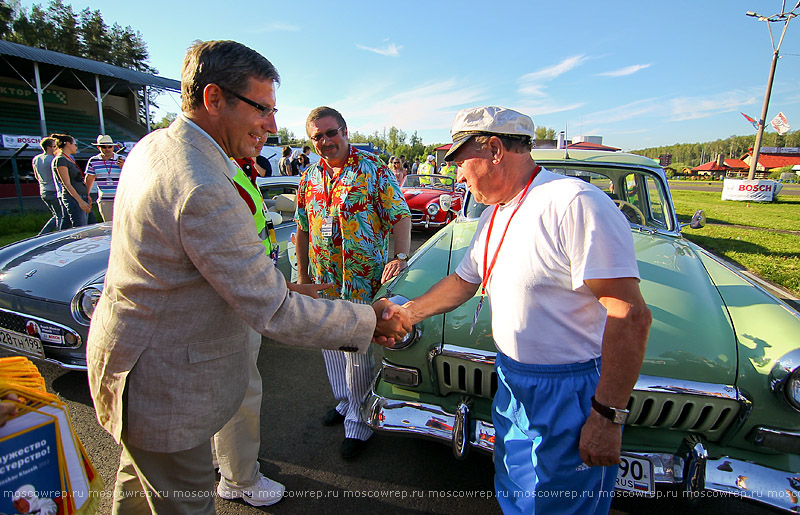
{"x":402,"y":256}
{"x":615,"y":415}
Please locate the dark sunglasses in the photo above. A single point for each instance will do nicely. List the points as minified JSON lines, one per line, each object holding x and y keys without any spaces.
{"x":106,"y":146}
{"x":265,"y":111}
{"x":328,"y":134}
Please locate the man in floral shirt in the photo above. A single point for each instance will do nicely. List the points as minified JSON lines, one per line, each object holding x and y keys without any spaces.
{"x":346,"y":206}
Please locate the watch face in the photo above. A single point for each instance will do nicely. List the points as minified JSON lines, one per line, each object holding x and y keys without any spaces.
{"x":402,"y":256}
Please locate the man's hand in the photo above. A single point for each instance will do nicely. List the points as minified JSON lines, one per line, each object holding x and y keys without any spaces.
{"x":601,"y":441}
{"x":8,"y":408}
{"x":392,"y":269}
{"x":392,"y":324}
{"x":311,"y":290}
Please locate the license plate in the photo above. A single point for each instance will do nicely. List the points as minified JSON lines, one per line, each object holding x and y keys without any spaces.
{"x":21,"y":342}
{"x":636,"y":475}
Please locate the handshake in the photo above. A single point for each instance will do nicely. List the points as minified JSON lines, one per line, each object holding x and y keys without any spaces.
{"x":393,"y":322}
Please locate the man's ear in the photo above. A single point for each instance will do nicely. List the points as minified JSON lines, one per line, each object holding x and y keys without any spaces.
{"x":213,"y":99}
{"x":496,"y":148}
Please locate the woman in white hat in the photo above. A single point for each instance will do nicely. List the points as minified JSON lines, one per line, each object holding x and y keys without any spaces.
{"x":106,"y":168}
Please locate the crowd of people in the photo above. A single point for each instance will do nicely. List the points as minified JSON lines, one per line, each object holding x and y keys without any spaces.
{"x":554,"y":256}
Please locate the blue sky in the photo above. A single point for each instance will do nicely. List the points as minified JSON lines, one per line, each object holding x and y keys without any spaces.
{"x":639,"y":74}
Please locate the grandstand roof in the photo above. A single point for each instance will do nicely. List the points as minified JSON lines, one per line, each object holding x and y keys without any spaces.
{"x":113,"y":78}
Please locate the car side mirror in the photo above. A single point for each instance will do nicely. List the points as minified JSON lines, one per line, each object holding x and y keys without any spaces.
{"x":698,"y":220}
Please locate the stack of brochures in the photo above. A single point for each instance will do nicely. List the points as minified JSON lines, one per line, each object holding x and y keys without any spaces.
{"x":43,"y":466}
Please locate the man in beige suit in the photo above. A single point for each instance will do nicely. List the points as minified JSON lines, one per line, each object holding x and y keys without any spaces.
{"x":186,"y":276}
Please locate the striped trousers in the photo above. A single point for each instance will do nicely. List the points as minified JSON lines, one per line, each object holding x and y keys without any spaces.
{"x":350,"y":375}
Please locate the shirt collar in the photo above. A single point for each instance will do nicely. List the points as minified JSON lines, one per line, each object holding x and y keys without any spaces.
{"x":232,"y":169}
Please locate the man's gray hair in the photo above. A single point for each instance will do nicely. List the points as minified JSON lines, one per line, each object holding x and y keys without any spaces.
{"x":324,"y":111}
{"x":227,"y":64}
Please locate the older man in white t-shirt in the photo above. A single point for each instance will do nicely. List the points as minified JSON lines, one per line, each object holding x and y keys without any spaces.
{"x":556,"y":258}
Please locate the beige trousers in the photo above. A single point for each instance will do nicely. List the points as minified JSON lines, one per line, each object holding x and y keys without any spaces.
{"x":237,"y":443}
{"x":106,"y":208}
{"x":168,"y":483}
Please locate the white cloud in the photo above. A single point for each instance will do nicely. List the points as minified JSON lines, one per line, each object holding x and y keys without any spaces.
{"x":391,"y":50}
{"x":691,"y":108}
{"x":624,"y":112}
{"x":533,"y":83}
{"x":628,"y":70}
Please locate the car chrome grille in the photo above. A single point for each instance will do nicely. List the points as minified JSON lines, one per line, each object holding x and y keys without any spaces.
{"x":462,"y":376}
{"x":695,"y":411}
{"x":13,"y":322}
{"x":417,"y":216}
{"x":709,"y":416}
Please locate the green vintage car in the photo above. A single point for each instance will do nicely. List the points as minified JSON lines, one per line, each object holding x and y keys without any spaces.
{"x":717,"y":404}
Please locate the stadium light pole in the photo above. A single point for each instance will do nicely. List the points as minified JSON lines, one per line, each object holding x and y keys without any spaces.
{"x":784,"y":17}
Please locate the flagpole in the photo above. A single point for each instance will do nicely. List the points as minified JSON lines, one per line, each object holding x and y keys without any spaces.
{"x":763,"y":120}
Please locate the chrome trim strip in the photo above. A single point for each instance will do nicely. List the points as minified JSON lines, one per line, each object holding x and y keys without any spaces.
{"x":780,"y":373}
{"x":461,"y":427}
{"x":658,"y":384}
{"x":61,"y":326}
{"x":412,"y":371}
{"x":468,"y":354}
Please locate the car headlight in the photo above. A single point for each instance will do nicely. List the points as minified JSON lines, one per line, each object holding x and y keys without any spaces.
{"x":84,"y":303}
{"x":445,"y":201}
{"x":784,"y":379}
{"x":432,"y":209}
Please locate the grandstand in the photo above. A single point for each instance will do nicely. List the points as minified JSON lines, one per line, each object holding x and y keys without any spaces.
{"x":42,"y":92}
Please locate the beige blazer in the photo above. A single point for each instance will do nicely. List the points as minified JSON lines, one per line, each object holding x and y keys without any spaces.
{"x":167,"y":351}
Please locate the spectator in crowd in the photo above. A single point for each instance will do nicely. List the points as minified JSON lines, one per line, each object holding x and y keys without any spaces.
{"x":76,"y":201}
{"x":415,"y":166}
{"x":105,"y":167}
{"x":563,"y":283}
{"x":296,"y":164}
{"x":449,"y":169}
{"x":187,"y":274}
{"x":396,"y":166}
{"x":427,"y":168}
{"x":347,"y":205}
{"x":43,"y":170}
{"x":284,"y":165}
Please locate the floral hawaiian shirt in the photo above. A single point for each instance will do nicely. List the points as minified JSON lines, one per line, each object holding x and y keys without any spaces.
{"x":364,"y":202}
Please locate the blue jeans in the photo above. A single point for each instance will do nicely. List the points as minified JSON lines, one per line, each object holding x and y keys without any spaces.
{"x":73,"y":214}
{"x":53,"y":203}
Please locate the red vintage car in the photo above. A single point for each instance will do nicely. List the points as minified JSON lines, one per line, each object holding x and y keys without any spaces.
{"x":434,"y":200}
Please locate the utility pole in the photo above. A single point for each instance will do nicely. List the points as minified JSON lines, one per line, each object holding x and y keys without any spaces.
{"x":785,"y":17}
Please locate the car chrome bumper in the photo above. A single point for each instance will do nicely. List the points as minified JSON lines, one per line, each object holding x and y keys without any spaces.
{"x":690,"y":467}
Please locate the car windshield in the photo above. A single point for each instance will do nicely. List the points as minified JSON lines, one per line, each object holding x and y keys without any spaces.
{"x":640,"y":195}
{"x":428,"y":181}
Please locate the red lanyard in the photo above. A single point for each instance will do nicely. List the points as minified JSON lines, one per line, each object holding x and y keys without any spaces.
{"x":487,"y":273}
{"x":325,"y":179}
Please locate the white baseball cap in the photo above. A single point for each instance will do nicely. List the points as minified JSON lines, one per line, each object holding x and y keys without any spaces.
{"x":474,"y":121}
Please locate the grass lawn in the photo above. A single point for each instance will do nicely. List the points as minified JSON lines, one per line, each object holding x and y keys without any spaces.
{"x":15,"y":227}
{"x":771,"y":255}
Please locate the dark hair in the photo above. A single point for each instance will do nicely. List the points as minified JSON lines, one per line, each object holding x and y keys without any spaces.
{"x":47,"y":142}
{"x":306,"y":148}
{"x":227,"y":64}
{"x":324,"y":111}
{"x":516,"y":144}
{"x":287,"y":151}
{"x":62,"y":139}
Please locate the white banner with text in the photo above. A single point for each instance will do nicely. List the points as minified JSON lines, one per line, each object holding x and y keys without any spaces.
{"x":752,"y":191}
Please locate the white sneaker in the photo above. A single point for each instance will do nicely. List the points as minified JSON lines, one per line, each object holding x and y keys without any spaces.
{"x":264,"y":492}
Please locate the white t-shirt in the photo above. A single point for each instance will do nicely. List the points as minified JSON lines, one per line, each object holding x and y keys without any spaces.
{"x":566,"y":231}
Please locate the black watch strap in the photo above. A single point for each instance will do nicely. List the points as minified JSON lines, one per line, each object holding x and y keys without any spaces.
{"x":615,"y":415}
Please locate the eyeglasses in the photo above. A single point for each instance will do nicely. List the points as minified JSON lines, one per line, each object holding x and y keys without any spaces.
{"x":265,"y":111}
{"x":328,"y":134}
{"x":106,"y":146}
{"x":395,"y":162}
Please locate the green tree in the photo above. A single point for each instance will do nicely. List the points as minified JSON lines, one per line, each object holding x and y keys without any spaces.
{"x":287,"y":136}
{"x":165,"y":121}
{"x":95,"y":37}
